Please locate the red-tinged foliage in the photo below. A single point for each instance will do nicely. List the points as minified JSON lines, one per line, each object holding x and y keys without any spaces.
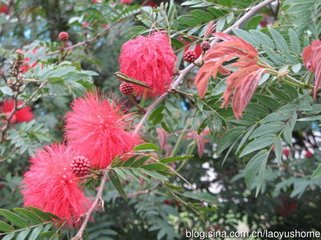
{"x":27,"y":62}
{"x":150,"y":3}
{"x":51,"y":185}
{"x":97,"y":129}
{"x":200,"y":139}
{"x":287,"y":207}
{"x":312,"y":61}
{"x":151,"y":60}
{"x":23,"y":115}
{"x":241,"y":86}
{"x":242,"y":83}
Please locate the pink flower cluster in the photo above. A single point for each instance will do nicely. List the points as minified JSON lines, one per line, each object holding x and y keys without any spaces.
{"x":151,"y":60}
{"x":96,"y":131}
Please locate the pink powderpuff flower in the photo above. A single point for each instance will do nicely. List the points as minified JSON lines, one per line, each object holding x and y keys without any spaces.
{"x":242,"y":83}
{"x":51,"y":185}
{"x":23,"y":115}
{"x":126,"y":1}
{"x":312,"y":61}
{"x":96,"y":128}
{"x":150,"y":60}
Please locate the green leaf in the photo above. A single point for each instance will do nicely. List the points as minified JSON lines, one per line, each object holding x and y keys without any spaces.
{"x":9,"y":236}
{"x":4,"y":227}
{"x":287,"y":133}
{"x":279,"y":41}
{"x":309,"y":119}
{"x":117,"y":184}
{"x":245,"y":137}
{"x":246,"y":36}
{"x":155,"y":175}
{"x":256,"y":166}
{"x":157,"y":115}
{"x":155,"y":167}
{"x":317,"y":172}
{"x":128,"y":162}
{"x":264,"y":38}
{"x":200,"y":196}
{"x":174,"y":159}
{"x":22,"y":235}
{"x":28,"y":215}
{"x":35,"y":233}
{"x":278,"y":150}
{"x":220,"y":24}
{"x":13,"y":218}
{"x":229,"y":138}
{"x":294,"y":42}
{"x":140,"y":162}
{"x":267,"y":129}
{"x":258,"y":144}
{"x":296,"y":68}
{"x":43,"y":215}
{"x":146,"y":147}
{"x":254,"y":22}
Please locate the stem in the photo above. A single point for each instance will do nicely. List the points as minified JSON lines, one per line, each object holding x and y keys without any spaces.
{"x":287,"y":78}
{"x":186,"y":70}
{"x":87,"y":41}
{"x":140,"y":108}
{"x":98,"y":200}
{"x":7,"y":121}
{"x":178,"y":142}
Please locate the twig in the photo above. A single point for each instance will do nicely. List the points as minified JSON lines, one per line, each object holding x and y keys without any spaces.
{"x":8,"y":119}
{"x":87,"y":41}
{"x":34,"y":94}
{"x":95,"y":204}
{"x":186,"y":70}
{"x":132,"y":100}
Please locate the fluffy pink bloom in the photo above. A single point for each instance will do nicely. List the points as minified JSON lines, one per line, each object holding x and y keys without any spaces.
{"x":23,"y":115}
{"x":96,"y":128}
{"x":242,"y":83}
{"x":51,"y":186}
{"x":150,"y":60}
{"x":126,"y":1}
{"x":312,"y":61}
